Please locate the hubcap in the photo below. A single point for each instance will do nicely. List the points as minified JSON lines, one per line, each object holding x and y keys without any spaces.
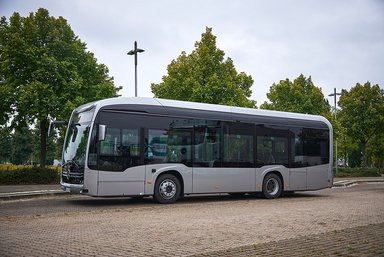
{"x":272,"y":186}
{"x":167,"y":189}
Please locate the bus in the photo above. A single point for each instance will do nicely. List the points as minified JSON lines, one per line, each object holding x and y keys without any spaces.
{"x":166,"y":149}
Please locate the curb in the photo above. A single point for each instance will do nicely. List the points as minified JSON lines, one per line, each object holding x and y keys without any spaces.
{"x":30,"y":194}
{"x":355,"y":182}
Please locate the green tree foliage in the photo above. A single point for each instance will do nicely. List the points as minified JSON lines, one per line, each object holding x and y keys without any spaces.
{"x":45,"y":72}
{"x":375,"y":150}
{"x":362,"y":117}
{"x":22,"y":146}
{"x":204,"y":76}
{"x":5,"y":146}
{"x":301,"y":96}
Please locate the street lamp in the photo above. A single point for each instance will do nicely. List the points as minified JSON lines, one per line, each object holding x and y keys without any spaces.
{"x":134,"y":52}
{"x":335,"y":109}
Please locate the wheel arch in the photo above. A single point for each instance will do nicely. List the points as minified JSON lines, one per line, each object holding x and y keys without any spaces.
{"x":278,"y":173}
{"x":177,"y":175}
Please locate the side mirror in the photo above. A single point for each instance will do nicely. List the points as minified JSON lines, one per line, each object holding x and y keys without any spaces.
{"x":101,"y":134}
{"x":53,"y":124}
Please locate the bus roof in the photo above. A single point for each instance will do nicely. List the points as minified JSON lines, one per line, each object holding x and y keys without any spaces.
{"x":177,"y":107}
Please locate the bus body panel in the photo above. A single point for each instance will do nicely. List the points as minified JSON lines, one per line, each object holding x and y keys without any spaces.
{"x":121,"y":188}
{"x":127,"y":182}
{"x":219,"y":180}
{"x":91,"y":179}
{"x":297,"y":179}
{"x":317,"y":178}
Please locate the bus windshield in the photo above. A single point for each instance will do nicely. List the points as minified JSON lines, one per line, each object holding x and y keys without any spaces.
{"x":75,"y":144}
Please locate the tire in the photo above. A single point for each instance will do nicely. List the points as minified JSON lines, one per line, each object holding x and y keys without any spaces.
{"x":272,"y":186}
{"x":167,"y":189}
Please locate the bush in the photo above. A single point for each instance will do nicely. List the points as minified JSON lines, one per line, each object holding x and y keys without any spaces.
{"x":357,"y":172}
{"x":29,"y":175}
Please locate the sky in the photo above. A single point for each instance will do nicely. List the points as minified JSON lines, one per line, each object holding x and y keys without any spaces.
{"x":337,"y":42}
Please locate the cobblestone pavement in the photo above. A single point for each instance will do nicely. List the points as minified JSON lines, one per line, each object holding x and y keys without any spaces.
{"x":359,"y":241}
{"x":332,"y":222}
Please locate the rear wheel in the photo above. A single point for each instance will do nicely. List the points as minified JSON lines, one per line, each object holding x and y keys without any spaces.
{"x":167,"y":189}
{"x":272,"y":186}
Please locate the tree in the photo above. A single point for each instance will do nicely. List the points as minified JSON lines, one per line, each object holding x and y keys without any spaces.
{"x":45,"y":72}
{"x":362,"y":115}
{"x":5,"y":145}
{"x":301,"y":96}
{"x":375,"y":150}
{"x":22,"y":144}
{"x":204,"y":76}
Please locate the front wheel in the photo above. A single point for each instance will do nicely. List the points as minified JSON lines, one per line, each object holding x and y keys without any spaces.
{"x":167,"y":189}
{"x":272,"y":186}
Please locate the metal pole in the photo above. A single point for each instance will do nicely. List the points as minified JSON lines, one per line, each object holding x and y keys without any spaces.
{"x":135,"y":68}
{"x":336,"y":160}
{"x":335,"y":109}
{"x":134,"y":52}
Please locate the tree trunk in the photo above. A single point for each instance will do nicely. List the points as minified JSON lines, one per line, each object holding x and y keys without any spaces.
{"x":43,"y":142}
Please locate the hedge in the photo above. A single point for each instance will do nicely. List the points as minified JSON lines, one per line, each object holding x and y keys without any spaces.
{"x":29,"y":175}
{"x":357,"y":172}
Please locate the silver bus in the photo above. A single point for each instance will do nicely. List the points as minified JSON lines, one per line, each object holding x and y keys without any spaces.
{"x":168,"y":149}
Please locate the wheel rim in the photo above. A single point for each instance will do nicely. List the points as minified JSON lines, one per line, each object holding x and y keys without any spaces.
{"x":167,"y":189}
{"x":272,"y":186}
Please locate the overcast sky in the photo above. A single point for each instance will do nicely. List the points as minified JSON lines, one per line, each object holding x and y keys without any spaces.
{"x":337,"y":43}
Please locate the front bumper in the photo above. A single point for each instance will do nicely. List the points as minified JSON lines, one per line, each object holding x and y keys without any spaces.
{"x":72,"y":188}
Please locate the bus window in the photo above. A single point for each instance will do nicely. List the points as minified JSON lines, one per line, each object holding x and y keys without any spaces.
{"x":180,"y":146}
{"x":238,"y":145}
{"x":311,"y":147}
{"x":156,"y":146}
{"x":120,"y":149}
{"x":272,"y":145}
{"x":265,"y":150}
{"x":207,"y":146}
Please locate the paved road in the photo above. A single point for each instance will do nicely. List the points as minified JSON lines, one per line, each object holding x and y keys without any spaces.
{"x":332,"y":222}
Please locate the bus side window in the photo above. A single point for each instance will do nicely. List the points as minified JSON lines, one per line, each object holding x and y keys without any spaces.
{"x":180,"y":146}
{"x":156,"y":146}
{"x":311,"y":147}
{"x":265,"y":150}
{"x":238,"y":145}
{"x":207,"y":146}
{"x":119,"y":150}
{"x":281,"y":150}
{"x":111,"y":142}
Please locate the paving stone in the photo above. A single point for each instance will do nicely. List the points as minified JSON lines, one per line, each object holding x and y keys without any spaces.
{"x":333,"y":222}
